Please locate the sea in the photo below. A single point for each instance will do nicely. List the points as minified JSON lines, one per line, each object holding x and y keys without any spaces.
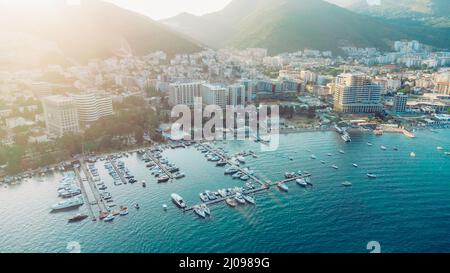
{"x":405,"y":209}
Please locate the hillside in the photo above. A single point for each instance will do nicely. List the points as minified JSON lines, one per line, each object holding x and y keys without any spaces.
{"x":290,"y":25}
{"x":75,"y":34}
{"x":405,"y":7}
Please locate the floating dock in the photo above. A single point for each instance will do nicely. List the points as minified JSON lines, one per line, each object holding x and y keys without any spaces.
{"x":264,"y":185}
{"x":229,"y":162}
{"x":119,"y":173}
{"x":99,"y":201}
{"x":83,"y":191}
{"x":157,"y":162}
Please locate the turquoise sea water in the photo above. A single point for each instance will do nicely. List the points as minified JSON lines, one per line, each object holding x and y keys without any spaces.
{"x":406,"y":209}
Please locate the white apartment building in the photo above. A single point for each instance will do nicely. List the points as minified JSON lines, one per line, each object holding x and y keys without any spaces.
{"x":215,"y":94}
{"x":184,"y":93}
{"x":92,"y":106}
{"x":355,"y":93}
{"x":60,"y":115}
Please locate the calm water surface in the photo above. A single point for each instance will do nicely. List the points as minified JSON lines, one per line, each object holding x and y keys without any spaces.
{"x":406,"y":209}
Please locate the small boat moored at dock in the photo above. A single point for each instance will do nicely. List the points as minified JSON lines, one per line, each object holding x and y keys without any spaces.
{"x":77,"y":218}
{"x":199,"y":211}
{"x":231,"y":202}
{"x":178,"y":200}
{"x":301,"y":182}
{"x":205,"y":209}
{"x":109,"y":218}
{"x":249,"y":199}
{"x":204,"y":197}
{"x":282,"y":187}
{"x":240,"y":199}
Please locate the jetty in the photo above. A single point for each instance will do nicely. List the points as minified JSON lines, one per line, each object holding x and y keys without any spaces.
{"x":96,"y":193}
{"x":119,"y":173}
{"x":231,"y":163}
{"x":265,"y":187}
{"x":84,"y":193}
{"x":157,"y":162}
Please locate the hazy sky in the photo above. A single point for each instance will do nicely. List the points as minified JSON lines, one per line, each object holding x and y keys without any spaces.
{"x":159,"y":9}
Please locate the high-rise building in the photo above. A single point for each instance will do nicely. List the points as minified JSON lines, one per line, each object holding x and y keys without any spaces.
{"x":355,"y":93}
{"x":400,"y":101}
{"x":61,"y":115}
{"x":92,"y":106}
{"x":238,"y":95}
{"x":215,"y":94}
{"x":184,"y":93}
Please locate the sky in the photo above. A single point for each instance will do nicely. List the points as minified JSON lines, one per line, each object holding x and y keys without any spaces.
{"x":161,"y":9}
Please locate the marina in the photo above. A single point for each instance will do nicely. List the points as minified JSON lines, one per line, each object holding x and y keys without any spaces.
{"x":234,"y":225}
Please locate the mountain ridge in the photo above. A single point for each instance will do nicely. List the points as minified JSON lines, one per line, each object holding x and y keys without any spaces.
{"x":291,"y":25}
{"x":94,"y":30}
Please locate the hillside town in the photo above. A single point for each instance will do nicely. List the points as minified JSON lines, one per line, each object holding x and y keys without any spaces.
{"x":361,"y":88}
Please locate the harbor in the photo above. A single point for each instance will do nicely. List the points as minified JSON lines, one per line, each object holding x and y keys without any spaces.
{"x":346,"y":196}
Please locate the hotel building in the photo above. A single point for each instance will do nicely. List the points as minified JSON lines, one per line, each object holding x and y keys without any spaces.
{"x":92,"y":106}
{"x":60,"y":115}
{"x":355,"y":93}
{"x":184,"y":93}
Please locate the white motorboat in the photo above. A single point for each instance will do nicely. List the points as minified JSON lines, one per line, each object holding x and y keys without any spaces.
{"x":301,"y":182}
{"x":282,"y":187}
{"x":240,"y":199}
{"x":178,"y":200}
{"x":199,"y":211}
{"x":109,"y":218}
{"x":205,"y":209}
{"x":249,"y":199}
{"x":204,"y":197}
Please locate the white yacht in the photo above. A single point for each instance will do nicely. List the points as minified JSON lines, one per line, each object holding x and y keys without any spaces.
{"x":249,"y":199}
{"x":178,"y":200}
{"x":301,"y":182}
{"x":205,"y":209}
{"x":199,"y":211}
{"x":68,"y":204}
